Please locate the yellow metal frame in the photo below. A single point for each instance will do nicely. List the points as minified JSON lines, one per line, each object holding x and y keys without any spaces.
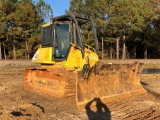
{"x":74,"y":61}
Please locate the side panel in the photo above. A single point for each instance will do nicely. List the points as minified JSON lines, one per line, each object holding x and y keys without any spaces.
{"x":43,"y":55}
{"x":92,"y":56}
{"x":75,"y":59}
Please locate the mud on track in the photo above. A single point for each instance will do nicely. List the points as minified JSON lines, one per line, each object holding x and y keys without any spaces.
{"x":19,"y":103}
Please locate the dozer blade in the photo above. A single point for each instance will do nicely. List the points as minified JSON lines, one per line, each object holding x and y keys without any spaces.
{"x":55,"y":82}
{"x":113,"y":83}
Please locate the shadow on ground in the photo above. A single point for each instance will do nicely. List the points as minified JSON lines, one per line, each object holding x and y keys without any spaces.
{"x":101,"y":112}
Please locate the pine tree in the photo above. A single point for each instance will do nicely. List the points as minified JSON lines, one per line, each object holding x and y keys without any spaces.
{"x":20,"y":24}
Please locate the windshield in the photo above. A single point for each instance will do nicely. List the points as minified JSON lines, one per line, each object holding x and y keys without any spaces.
{"x":47,"y":36}
{"x":62,"y":41}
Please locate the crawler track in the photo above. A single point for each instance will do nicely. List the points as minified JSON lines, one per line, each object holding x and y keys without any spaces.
{"x":54,"y":82}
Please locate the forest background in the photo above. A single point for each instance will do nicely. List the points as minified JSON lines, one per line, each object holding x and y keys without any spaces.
{"x":126,"y":29}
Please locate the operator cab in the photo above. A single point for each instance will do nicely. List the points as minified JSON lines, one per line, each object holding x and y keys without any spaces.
{"x":57,"y":36}
{"x":62,"y":40}
{"x":61,"y":32}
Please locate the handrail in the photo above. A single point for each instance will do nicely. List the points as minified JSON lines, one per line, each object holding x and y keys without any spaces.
{"x":89,"y":47}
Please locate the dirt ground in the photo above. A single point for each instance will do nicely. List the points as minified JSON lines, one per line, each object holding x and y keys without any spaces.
{"x":19,"y":103}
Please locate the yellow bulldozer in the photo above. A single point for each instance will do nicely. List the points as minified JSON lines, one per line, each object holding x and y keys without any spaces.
{"x":71,"y":68}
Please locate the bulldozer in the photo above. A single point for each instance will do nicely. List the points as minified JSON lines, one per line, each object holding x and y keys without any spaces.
{"x":70,"y":68}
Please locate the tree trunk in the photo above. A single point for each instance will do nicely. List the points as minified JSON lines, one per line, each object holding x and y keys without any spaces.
{"x":0,"y":50}
{"x":26,"y":50}
{"x":111,"y":52}
{"x":14,"y":48}
{"x":124,"y":48}
{"x":14,"y":52}
{"x":102,"y":48}
{"x":27,"y":54}
{"x":135,"y":52}
{"x":145,"y":52}
{"x":4,"y":51}
{"x":117,"y":47}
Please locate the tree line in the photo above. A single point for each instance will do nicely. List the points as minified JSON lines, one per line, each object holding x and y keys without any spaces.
{"x":20,"y":26}
{"x":125,"y":28}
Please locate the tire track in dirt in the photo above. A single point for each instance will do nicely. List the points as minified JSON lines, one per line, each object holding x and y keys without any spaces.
{"x":133,"y":109}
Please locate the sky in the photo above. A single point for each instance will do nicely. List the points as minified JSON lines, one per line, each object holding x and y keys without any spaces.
{"x":58,"y":6}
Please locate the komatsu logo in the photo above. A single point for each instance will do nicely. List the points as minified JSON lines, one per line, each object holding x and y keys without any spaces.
{"x":92,"y":58}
